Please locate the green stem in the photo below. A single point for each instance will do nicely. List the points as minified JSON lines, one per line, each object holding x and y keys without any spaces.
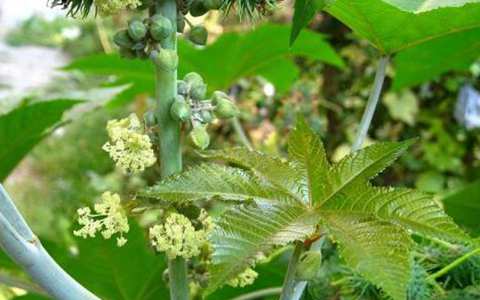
{"x":371,"y":104}
{"x":453,"y":265}
{"x":237,"y":126}
{"x":289,"y":283}
{"x":169,"y":138}
{"x":260,"y":294}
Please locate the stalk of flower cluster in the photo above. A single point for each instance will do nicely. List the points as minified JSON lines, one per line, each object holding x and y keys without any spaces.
{"x":23,"y":247}
{"x":169,"y":138}
{"x":293,"y":290}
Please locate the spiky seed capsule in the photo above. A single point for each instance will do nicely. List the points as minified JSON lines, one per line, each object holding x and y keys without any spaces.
{"x":166,"y":59}
{"x":213,"y":4}
{"x":182,"y":88}
{"x":309,"y":265}
{"x":197,"y":8}
{"x":200,"y":137}
{"x":180,"y":23}
{"x":206,"y":116}
{"x":198,"y":35}
{"x":225,"y":109}
{"x":122,"y":39}
{"x":137,"y":30}
{"x":180,"y":110}
{"x":160,"y":27}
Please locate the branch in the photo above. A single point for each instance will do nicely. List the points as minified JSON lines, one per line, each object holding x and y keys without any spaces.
{"x":21,"y":245}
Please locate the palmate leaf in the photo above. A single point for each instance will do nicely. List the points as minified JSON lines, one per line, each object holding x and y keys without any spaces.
{"x":291,"y":197}
{"x":245,"y":231}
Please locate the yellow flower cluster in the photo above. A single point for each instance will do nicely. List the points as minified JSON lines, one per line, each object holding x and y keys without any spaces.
{"x":178,"y":237}
{"x":111,"y":7}
{"x":129,"y":147}
{"x":243,"y":279}
{"x":109,"y":218}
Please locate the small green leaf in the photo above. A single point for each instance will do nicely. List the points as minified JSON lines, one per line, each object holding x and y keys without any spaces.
{"x":304,"y":11}
{"x":24,"y":127}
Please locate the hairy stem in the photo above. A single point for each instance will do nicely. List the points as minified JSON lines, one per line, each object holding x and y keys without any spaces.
{"x":290,"y":282}
{"x":169,"y":138}
{"x":371,"y":104}
{"x":23,"y":247}
{"x":453,"y":264}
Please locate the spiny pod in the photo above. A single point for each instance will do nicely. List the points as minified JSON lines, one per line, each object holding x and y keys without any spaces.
{"x":309,"y":265}
{"x":160,"y":27}
{"x":197,"y":8}
{"x":198,"y":35}
{"x":122,"y":39}
{"x":180,"y":109}
{"x":137,"y":30}
{"x":166,"y":59}
{"x":200,"y":137}
{"x":224,"y":107}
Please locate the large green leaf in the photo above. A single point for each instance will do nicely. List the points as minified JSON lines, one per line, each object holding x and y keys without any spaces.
{"x":376,"y":249}
{"x":244,"y":232}
{"x":464,"y":206}
{"x":207,"y":181}
{"x":22,"y":128}
{"x":345,"y":202}
{"x":231,"y":57}
{"x":391,"y":30}
{"x":420,"y":6}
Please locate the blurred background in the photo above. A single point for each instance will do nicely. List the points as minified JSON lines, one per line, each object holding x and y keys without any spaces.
{"x":46,"y":57}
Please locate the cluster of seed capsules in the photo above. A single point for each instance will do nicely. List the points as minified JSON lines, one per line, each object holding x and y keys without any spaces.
{"x":192,"y":106}
{"x":142,"y":37}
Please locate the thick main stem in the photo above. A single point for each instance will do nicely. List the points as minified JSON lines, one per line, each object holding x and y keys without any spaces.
{"x":23,"y":247}
{"x":169,"y":138}
{"x":291,"y":289}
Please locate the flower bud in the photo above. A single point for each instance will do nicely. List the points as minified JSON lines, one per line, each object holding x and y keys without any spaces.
{"x":122,"y":39}
{"x":198,"y":35}
{"x":160,"y":27}
{"x":200,"y":137}
{"x":180,"y":110}
{"x":206,"y":116}
{"x":198,"y":91}
{"x":192,"y":77}
{"x":225,"y":109}
{"x":137,"y":30}
{"x":219,"y":95}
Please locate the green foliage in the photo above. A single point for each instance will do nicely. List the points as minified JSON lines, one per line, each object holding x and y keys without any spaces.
{"x":464,"y":206}
{"x":370,"y":224}
{"x":244,"y":54}
{"x":303,"y":14}
{"x":25,"y":126}
{"x":379,"y":22}
{"x":420,"y":6}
